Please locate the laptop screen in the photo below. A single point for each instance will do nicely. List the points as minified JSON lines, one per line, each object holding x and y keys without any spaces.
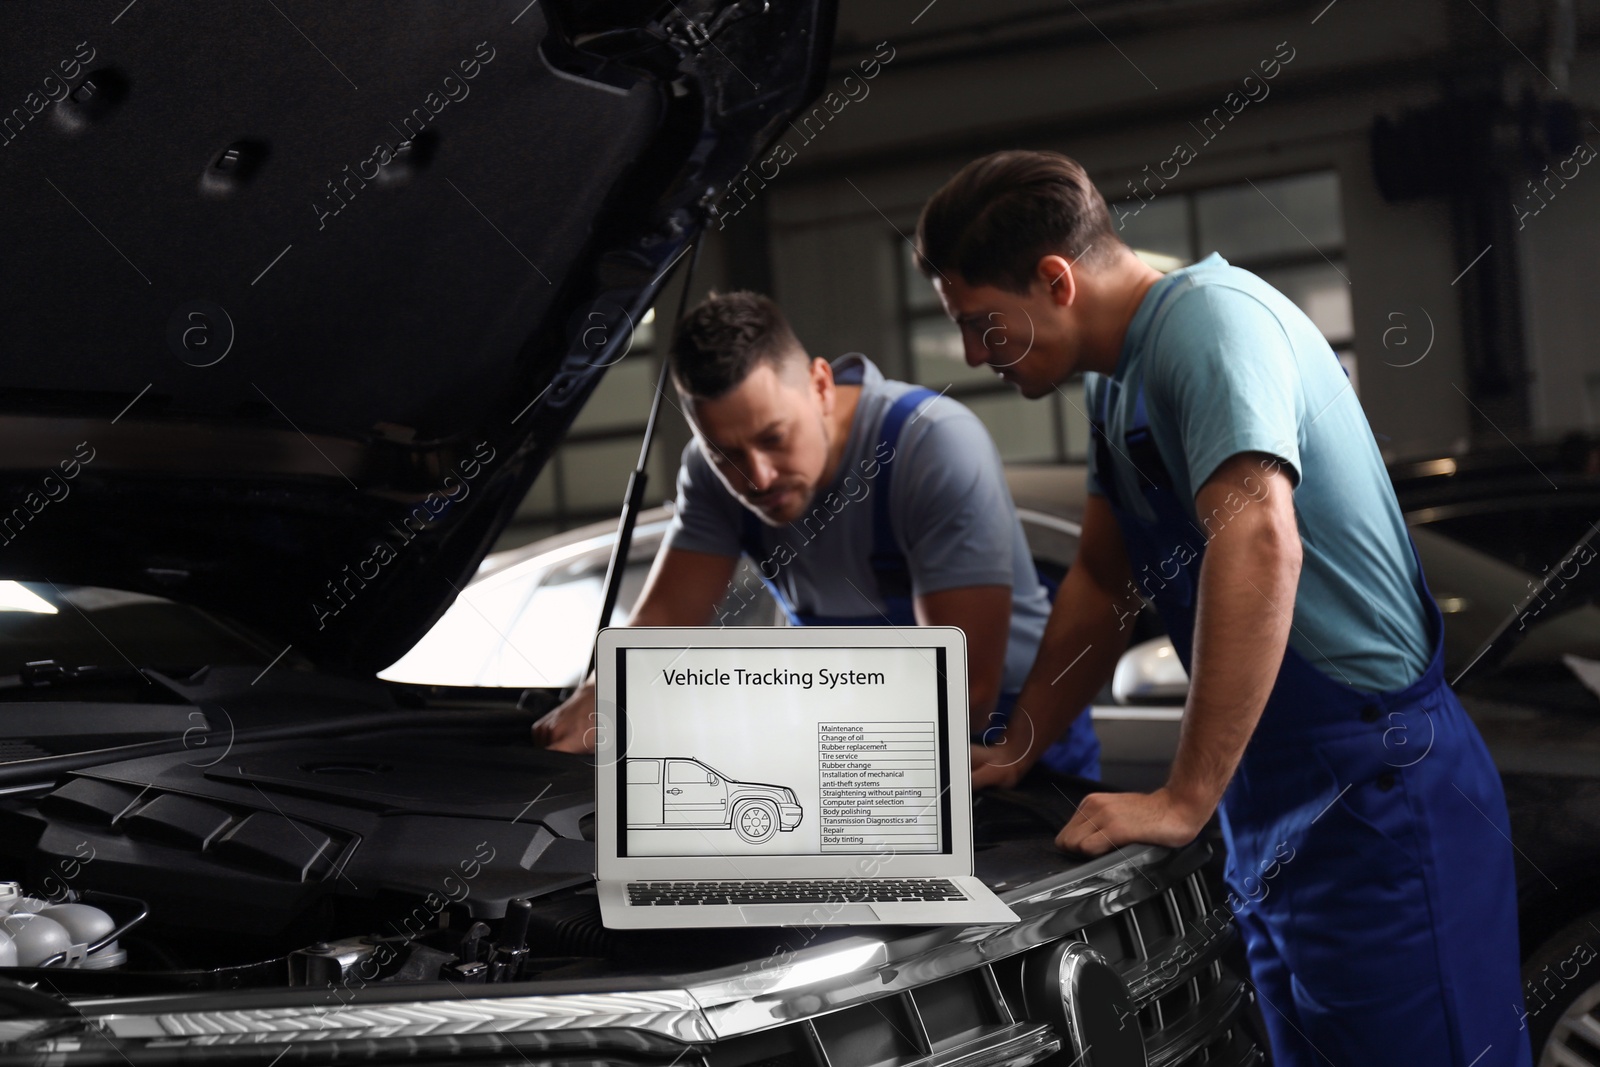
{"x":782,"y":751}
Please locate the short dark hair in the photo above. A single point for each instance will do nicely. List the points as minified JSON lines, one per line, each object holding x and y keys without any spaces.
{"x":724,"y":337}
{"x":994,"y":221}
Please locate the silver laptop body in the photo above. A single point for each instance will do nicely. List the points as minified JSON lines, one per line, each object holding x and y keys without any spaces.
{"x":785,"y":776}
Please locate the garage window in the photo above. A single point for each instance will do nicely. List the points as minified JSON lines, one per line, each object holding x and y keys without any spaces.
{"x":1289,"y":231}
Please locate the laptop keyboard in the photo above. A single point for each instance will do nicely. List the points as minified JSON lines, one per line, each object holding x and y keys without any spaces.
{"x":801,"y":891}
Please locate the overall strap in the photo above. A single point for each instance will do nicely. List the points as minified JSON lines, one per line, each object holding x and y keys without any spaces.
{"x":888,"y":562}
{"x":1099,"y":440}
{"x":1138,"y":448}
{"x":1142,"y":451}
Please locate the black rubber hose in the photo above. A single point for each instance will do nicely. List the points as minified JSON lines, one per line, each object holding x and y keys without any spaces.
{"x":124,"y":927}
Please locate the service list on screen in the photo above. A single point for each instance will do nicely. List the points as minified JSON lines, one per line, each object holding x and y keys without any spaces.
{"x":879,"y":785}
{"x":782,"y":751}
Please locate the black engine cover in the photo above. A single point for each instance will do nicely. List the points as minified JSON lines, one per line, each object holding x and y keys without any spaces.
{"x":276,"y":832}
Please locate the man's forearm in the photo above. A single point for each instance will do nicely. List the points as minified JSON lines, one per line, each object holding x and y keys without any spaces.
{"x":983,"y":614}
{"x":661,"y":611}
{"x":1246,"y":602}
{"x":682,"y":589}
{"x":1082,"y":641}
{"x":1247,"y":591}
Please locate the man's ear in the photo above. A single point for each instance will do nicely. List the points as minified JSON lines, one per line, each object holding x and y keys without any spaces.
{"x":1059,"y":280}
{"x":687,"y":405}
{"x":821,"y":373}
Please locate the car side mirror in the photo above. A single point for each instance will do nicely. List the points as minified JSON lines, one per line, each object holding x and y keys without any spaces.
{"x":711,"y":779}
{"x":1150,"y":672}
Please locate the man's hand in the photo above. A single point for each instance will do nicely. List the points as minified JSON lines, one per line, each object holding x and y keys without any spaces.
{"x":1107,"y":820}
{"x":997,"y":766}
{"x":570,"y":727}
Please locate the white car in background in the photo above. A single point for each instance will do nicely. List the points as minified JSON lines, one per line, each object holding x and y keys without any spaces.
{"x":529,"y":617}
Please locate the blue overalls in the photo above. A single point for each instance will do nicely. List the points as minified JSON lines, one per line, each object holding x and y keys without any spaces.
{"x":1076,"y":753}
{"x":1369,"y":848}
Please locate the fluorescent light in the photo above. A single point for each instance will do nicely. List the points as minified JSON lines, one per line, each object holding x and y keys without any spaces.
{"x":14,"y":596}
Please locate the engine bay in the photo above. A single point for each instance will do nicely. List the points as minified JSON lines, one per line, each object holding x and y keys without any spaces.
{"x":402,"y":853}
{"x":277,"y":849}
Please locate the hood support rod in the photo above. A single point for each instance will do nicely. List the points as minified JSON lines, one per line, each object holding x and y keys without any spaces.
{"x":640,"y":478}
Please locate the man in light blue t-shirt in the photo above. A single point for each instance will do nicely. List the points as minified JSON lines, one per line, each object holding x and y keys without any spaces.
{"x":1237,"y":487}
{"x":858,"y":500}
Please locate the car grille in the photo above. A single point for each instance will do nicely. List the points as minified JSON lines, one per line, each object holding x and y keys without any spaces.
{"x":1167,"y":948}
{"x":979,"y":996}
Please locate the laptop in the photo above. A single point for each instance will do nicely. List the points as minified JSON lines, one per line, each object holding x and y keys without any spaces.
{"x":785,"y":776}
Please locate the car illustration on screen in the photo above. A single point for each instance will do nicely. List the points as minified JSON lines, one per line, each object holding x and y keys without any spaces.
{"x":672,"y":793}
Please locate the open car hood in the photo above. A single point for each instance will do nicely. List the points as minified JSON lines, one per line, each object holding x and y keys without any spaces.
{"x":299,"y":298}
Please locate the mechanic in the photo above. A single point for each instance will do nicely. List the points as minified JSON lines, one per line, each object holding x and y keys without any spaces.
{"x":1236,"y":484}
{"x":860,"y":501}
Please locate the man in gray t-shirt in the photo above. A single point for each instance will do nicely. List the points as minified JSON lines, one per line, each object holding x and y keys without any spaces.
{"x":859,"y":500}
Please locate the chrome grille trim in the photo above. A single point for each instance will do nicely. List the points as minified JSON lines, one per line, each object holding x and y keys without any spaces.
{"x":993,"y":986}
{"x":1183,"y":1037}
{"x":1017,"y":1045}
{"x":670,"y":1013}
{"x":1187,"y":957}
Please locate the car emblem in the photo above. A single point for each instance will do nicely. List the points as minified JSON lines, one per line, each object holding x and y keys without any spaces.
{"x":1079,"y":991}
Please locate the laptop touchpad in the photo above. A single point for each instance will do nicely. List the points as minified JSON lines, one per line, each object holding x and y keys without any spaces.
{"x":799,"y":914}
